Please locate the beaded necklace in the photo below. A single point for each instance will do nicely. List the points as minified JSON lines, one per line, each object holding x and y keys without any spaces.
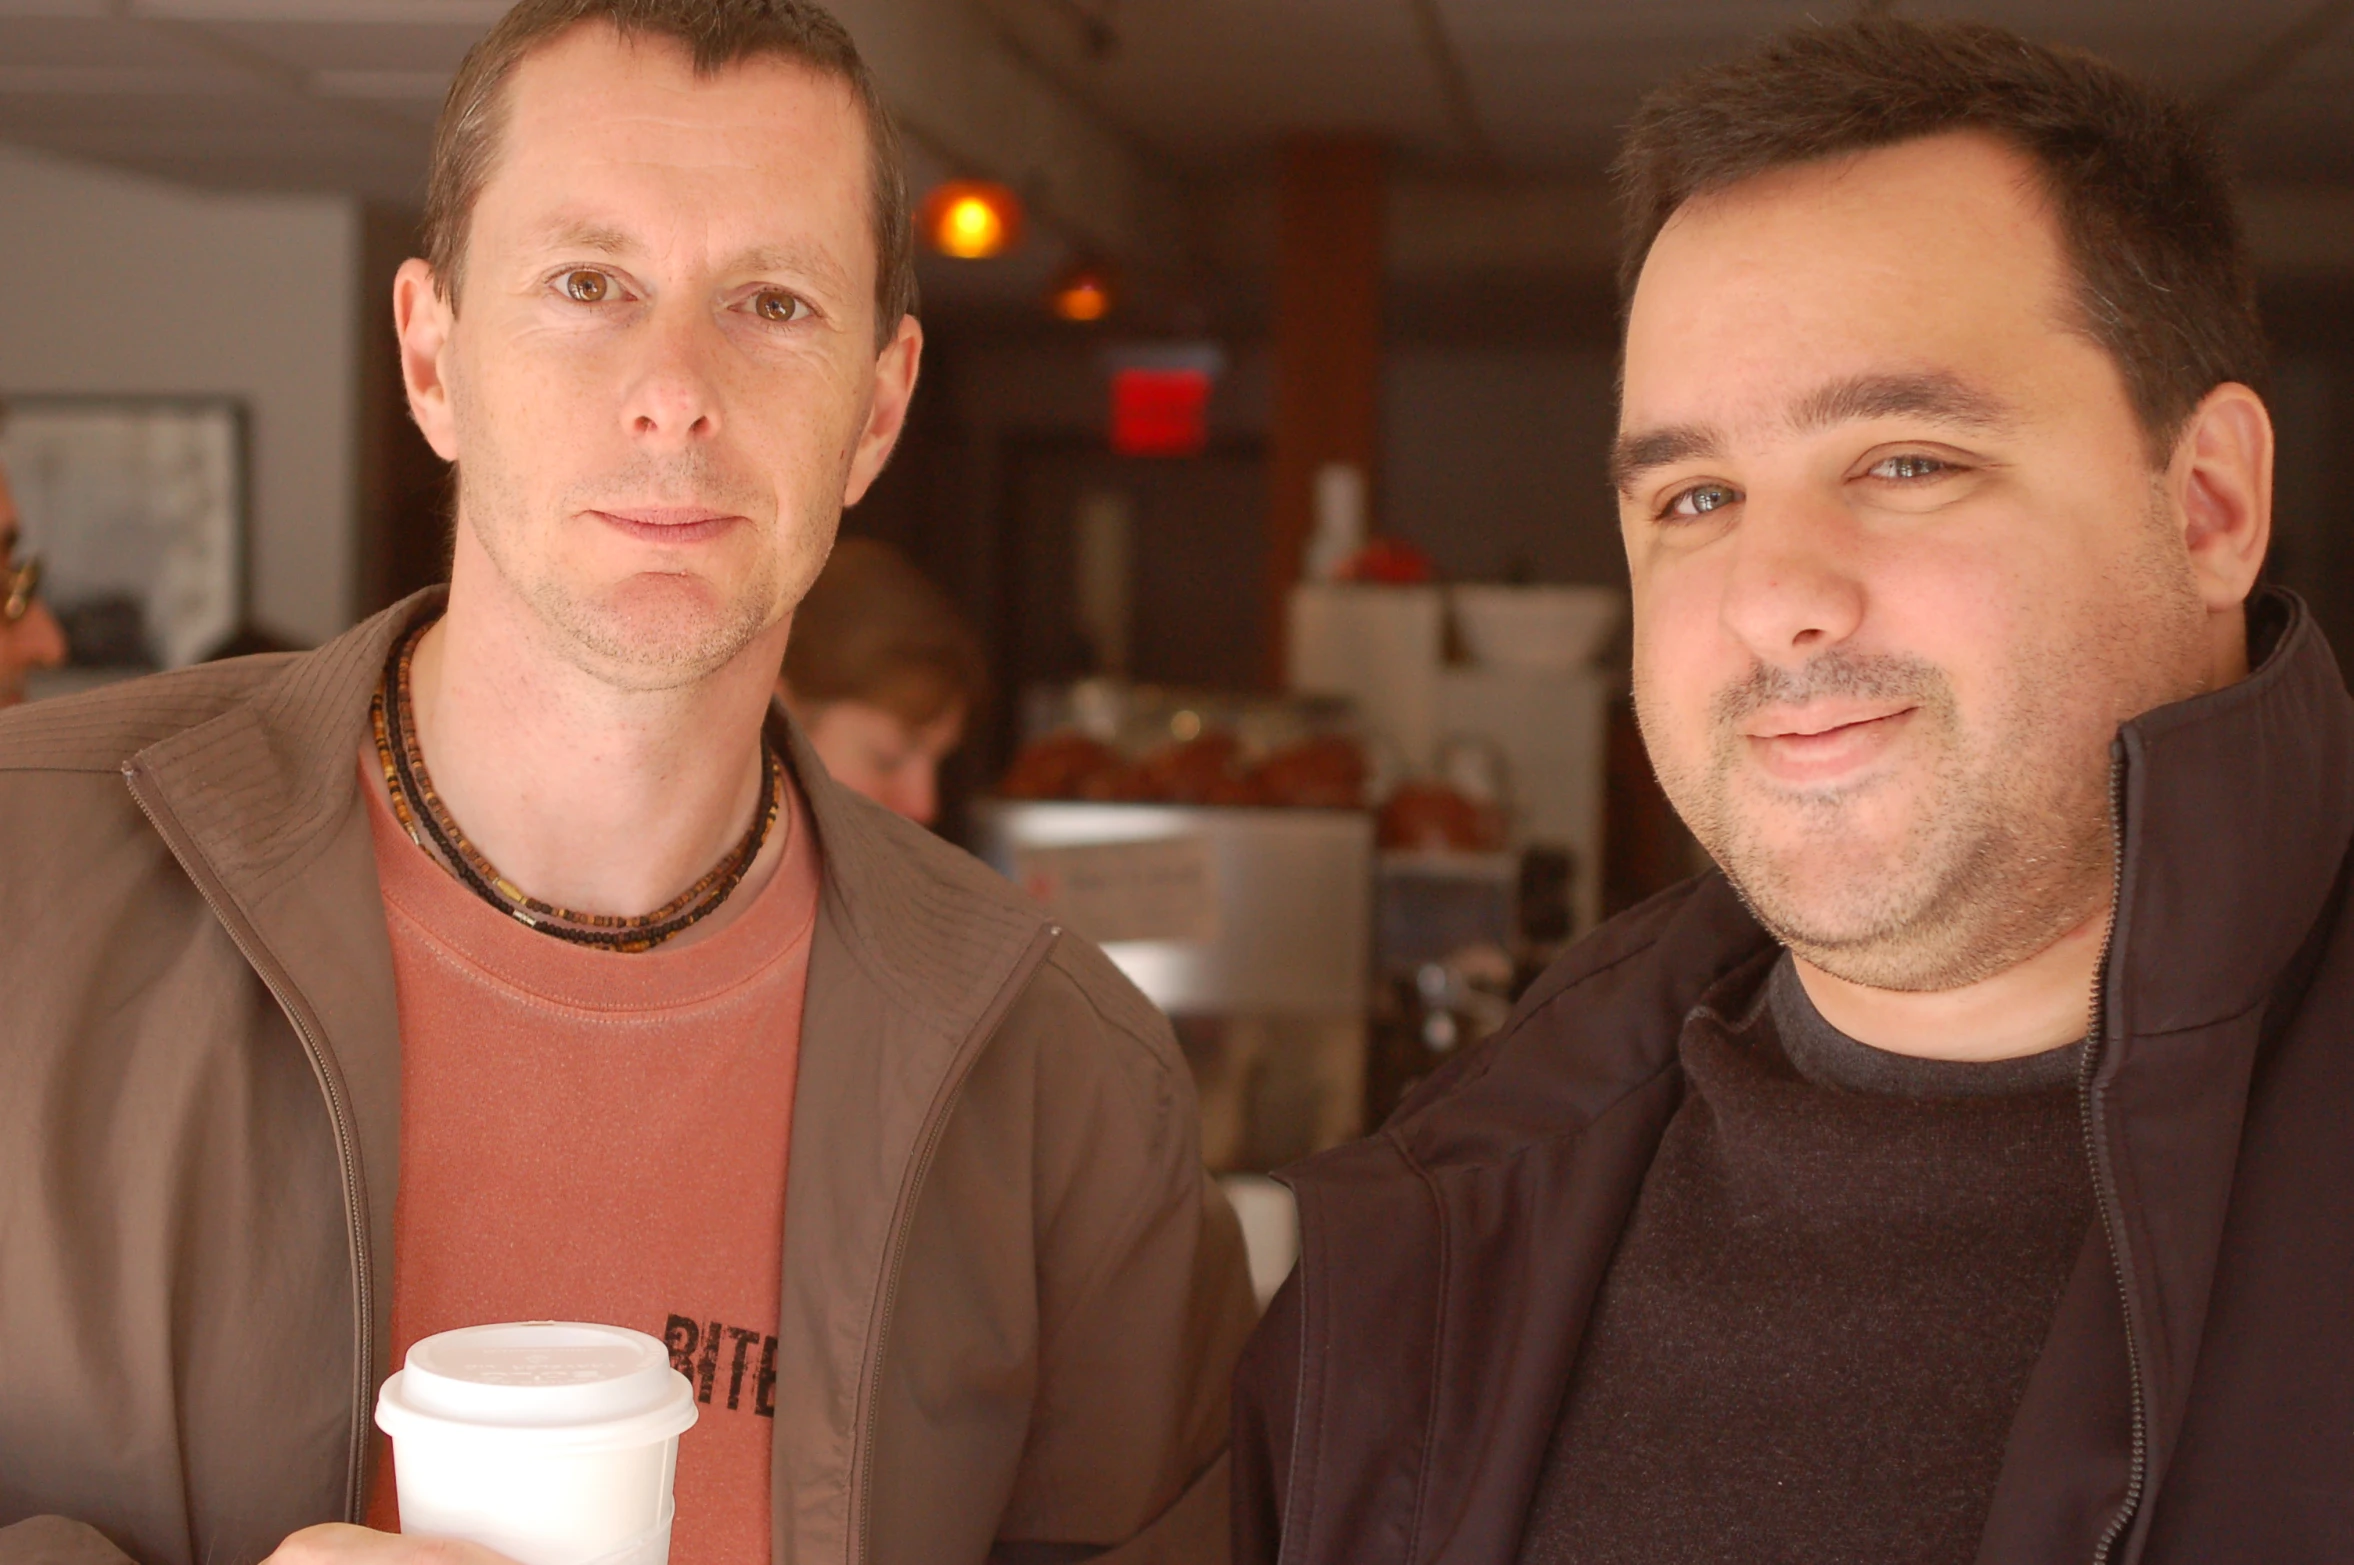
{"x":429,"y":824}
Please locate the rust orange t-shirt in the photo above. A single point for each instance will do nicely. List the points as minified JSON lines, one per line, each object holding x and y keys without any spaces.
{"x":595,"y":1136}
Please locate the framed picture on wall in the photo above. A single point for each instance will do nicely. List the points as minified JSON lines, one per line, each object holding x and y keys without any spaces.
{"x":137,"y":506}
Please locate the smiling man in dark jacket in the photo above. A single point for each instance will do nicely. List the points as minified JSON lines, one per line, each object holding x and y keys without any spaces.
{"x":1964,"y":1172}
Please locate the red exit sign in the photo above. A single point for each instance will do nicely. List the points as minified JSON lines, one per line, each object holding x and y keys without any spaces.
{"x":1160,"y":412}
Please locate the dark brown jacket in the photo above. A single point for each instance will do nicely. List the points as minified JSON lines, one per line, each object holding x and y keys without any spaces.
{"x":2194,"y":1404}
{"x":1011,"y":1298}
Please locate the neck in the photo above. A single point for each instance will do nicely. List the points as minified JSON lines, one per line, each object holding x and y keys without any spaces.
{"x":594,"y":797}
{"x":2041,"y":1003}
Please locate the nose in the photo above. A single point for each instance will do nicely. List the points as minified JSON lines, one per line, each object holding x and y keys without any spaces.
{"x":37,"y":640}
{"x":1795,"y":586}
{"x":915,"y":793}
{"x":672,"y":399}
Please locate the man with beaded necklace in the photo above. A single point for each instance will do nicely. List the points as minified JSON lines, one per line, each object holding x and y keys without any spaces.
{"x":511,"y":956}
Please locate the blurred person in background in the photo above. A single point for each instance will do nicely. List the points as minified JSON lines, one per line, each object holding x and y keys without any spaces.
{"x":883,"y":675}
{"x":1962,"y":1173}
{"x":511,"y":957}
{"x":30,"y":636}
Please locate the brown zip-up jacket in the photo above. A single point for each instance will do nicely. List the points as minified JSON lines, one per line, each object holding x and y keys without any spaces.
{"x":2194,"y":1402}
{"x":1011,"y":1297}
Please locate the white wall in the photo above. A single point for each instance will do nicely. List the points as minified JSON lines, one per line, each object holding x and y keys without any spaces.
{"x":110,"y":282}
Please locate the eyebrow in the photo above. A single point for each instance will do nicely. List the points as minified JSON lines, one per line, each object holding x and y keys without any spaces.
{"x":1640,"y":453}
{"x":576,"y":234}
{"x":1937,"y":396}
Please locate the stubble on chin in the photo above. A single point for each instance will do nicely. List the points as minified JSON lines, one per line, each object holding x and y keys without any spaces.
{"x":647,"y":632}
{"x":1978,"y":851}
{"x":657,"y":633}
{"x":1964,"y":882}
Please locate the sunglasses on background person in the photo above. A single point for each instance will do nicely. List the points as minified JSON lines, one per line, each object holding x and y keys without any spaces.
{"x":22,"y":579}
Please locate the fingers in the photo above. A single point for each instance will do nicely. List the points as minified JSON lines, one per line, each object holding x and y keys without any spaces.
{"x":334,"y":1543}
{"x":328,"y":1544}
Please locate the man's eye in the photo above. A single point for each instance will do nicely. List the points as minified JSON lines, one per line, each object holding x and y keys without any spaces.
{"x":1701,"y":499}
{"x":774,"y":304}
{"x":584,"y":286}
{"x":1909,"y":466}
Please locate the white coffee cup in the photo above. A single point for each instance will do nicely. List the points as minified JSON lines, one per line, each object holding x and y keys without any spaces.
{"x":552,"y":1442}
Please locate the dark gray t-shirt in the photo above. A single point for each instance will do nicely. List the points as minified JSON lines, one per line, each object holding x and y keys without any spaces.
{"x":1818,"y":1323}
{"x":1828,"y":1057}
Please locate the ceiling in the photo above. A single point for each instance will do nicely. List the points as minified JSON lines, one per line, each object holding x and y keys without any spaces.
{"x":339,"y":95}
{"x":335,"y":95}
{"x":1541,"y":86}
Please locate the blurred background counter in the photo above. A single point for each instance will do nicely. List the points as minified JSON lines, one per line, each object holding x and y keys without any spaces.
{"x":1333,"y":890}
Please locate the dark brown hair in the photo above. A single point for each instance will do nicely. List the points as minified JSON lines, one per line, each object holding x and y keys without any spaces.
{"x":2143,"y":204}
{"x":875,"y":629}
{"x":717,"y":33}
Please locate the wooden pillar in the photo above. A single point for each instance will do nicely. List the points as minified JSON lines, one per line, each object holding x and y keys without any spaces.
{"x":1327,"y":345}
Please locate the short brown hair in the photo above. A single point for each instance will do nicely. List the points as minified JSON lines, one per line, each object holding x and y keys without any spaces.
{"x":2144,"y":206}
{"x":717,"y":33}
{"x":873,"y":628}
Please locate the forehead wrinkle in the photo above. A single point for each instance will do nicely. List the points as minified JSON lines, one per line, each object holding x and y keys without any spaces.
{"x":806,"y":260}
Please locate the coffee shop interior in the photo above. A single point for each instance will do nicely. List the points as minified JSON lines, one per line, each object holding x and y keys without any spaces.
{"x":1267,"y":384}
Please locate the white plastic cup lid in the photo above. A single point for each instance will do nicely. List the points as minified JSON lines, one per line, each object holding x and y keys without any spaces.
{"x":565,"y":1383}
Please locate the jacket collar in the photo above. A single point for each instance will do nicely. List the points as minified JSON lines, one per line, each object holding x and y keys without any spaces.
{"x":930,"y":924}
{"x":1601,"y":1023}
{"x":263,"y":786}
{"x":2235,"y":809}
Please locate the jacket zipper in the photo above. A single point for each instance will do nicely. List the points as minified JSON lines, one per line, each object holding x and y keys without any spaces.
{"x":1288,"y":1548}
{"x":275,"y":978}
{"x":1016,"y":983}
{"x":2104,"y":1194}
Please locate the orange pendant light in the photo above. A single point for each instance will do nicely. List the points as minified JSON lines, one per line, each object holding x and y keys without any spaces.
{"x":971,"y":219}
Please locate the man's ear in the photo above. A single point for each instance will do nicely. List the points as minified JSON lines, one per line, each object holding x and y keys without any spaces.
{"x":422,"y":319}
{"x":2221,"y":477}
{"x":895,"y":372}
